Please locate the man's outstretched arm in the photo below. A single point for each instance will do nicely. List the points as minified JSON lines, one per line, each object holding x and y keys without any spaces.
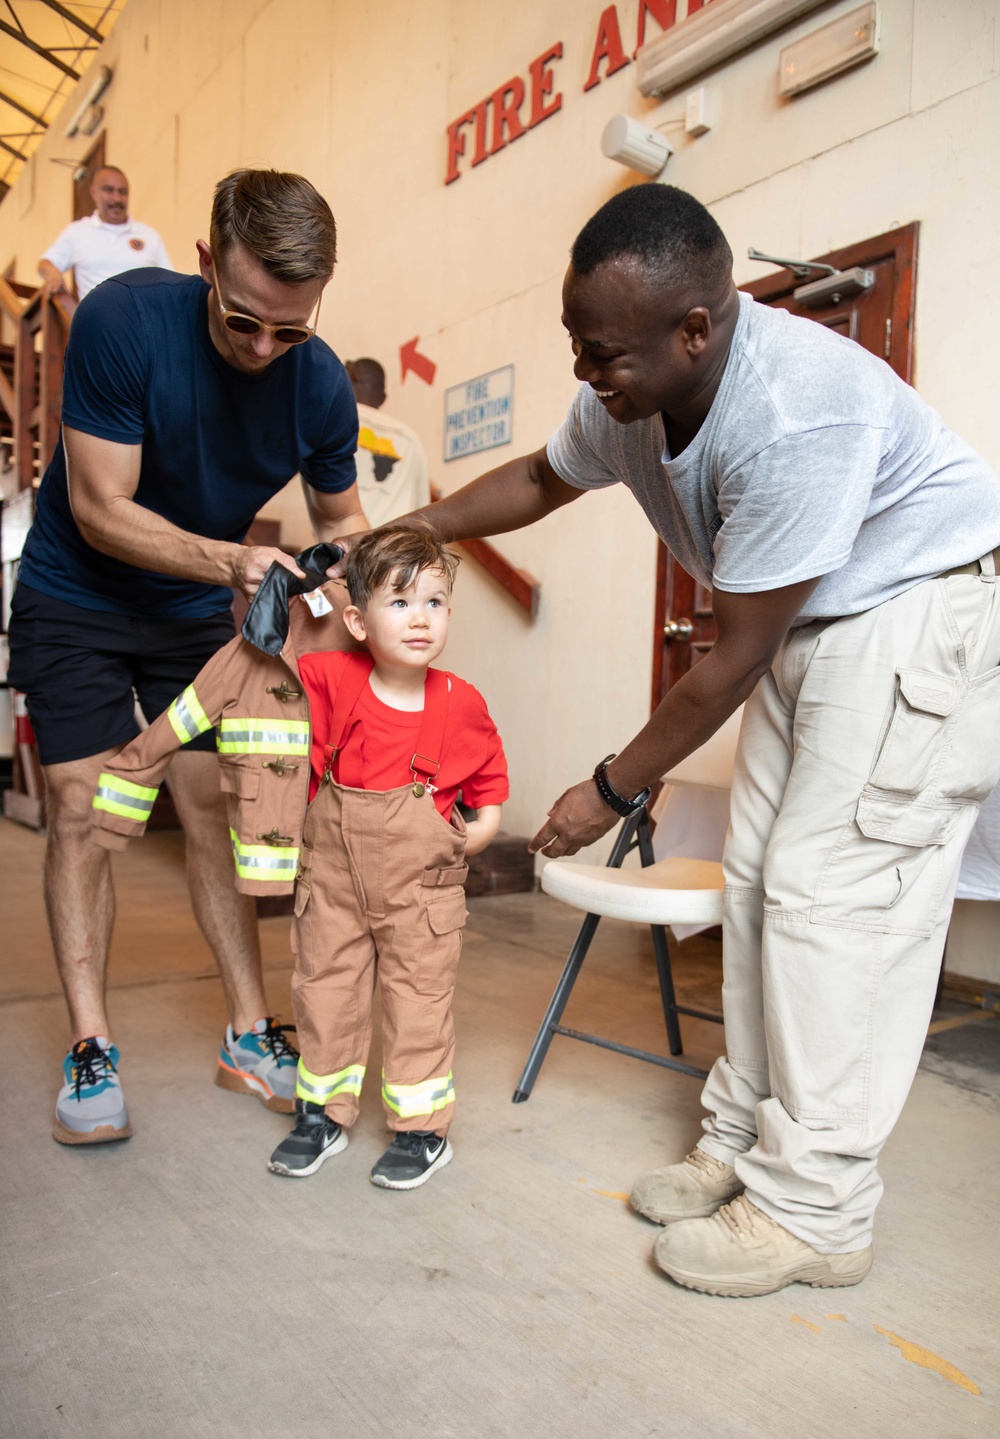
{"x":103,"y":478}
{"x":751,"y":628}
{"x":508,"y":498}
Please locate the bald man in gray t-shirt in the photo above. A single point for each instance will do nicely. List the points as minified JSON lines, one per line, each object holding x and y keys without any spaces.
{"x":851,"y":541}
{"x":815,"y":459}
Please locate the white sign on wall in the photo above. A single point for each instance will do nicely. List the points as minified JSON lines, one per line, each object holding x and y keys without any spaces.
{"x":479,"y":413}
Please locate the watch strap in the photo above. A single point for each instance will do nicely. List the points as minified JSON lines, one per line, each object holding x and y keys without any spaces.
{"x":611,"y":797}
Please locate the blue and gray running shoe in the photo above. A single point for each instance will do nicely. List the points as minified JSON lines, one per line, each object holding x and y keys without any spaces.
{"x":260,"y":1062}
{"x":91,"y":1107}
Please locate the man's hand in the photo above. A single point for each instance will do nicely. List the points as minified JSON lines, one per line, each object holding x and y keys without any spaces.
{"x":331,"y":514}
{"x":336,"y":572}
{"x":577,"y":818}
{"x":252,"y":562}
{"x":52,"y":279}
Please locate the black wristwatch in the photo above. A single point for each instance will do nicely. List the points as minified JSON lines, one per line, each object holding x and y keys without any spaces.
{"x":610,"y":795}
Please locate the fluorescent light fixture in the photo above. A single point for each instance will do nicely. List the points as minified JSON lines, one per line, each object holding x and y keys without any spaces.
{"x":715,"y":33}
{"x":633,"y":144}
{"x":100,"y":83}
{"x":835,"y":47}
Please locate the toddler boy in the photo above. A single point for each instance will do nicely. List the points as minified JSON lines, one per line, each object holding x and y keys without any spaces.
{"x":383,"y":861}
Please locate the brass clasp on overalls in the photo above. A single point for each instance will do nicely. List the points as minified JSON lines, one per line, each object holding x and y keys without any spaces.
{"x":430,"y":769}
{"x":275,"y":838}
{"x":278,"y":765}
{"x":283,"y":693}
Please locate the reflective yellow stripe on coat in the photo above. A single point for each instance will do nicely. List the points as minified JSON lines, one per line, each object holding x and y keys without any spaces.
{"x":264,"y":736}
{"x":409,"y":1100}
{"x":121,"y":796}
{"x":188,"y":718}
{"x":264,"y":861}
{"x":321,"y":1088}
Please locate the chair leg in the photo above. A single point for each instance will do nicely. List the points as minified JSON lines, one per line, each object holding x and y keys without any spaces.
{"x":644,"y":840}
{"x":624,"y":842}
{"x":556,"y":1006}
{"x":662,"y":952}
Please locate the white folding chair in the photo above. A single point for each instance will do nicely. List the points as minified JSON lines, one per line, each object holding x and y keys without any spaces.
{"x":660,"y":893}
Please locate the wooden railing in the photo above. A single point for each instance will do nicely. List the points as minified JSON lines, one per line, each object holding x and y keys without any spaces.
{"x":31,"y":378}
{"x":519,"y":584}
{"x":31,"y":371}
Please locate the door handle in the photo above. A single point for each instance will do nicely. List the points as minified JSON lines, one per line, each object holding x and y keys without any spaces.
{"x":678,"y":630}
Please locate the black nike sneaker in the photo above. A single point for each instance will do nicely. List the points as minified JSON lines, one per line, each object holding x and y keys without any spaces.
{"x":411,"y":1159}
{"x":313,"y":1140}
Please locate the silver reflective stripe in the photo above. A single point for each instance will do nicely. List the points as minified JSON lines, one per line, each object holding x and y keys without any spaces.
{"x":254,"y":861}
{"x":279,"y":738}
{"x":117,"y":796}
{"x":187,"y":720}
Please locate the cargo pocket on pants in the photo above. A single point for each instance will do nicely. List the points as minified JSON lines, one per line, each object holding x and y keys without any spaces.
{"x":446,"y":916}
{"x":942,"y":737}
{"x":887,"y":870}
{"x":300,"y":938}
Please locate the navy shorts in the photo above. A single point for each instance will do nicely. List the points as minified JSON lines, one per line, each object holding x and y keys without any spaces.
{"x":79,"y":669}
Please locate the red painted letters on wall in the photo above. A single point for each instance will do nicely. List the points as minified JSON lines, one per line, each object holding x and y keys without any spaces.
{"x":507,"y":100}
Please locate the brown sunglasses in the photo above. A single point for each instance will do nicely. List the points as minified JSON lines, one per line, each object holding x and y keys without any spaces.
{"x":241,"y":324}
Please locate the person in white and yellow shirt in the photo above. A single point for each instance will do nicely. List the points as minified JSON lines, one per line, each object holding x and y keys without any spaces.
{"x":390,"y":460}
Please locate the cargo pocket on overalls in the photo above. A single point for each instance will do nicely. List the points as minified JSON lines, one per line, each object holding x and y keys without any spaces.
{"x":444,"y":906}
{"x":302,"y":914}
{"x":886,"y":872}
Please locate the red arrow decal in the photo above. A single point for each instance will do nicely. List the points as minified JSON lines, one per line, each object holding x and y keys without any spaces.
{"x":410,"y":358}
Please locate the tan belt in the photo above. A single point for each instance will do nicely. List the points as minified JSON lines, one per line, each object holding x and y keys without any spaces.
{"x":972,"y":568}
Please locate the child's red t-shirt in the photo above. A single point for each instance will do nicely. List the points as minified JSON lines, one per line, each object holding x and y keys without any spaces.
{"x":473,"y":761}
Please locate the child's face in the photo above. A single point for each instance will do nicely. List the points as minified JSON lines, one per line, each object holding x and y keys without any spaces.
{"x":405,"y":627}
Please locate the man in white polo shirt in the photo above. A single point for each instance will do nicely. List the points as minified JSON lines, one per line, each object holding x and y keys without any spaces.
{"x":103,"y":244}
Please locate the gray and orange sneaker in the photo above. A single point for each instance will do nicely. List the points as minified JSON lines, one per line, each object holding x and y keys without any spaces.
{"x":260,"y":1062}
{"x":90,"y":1108}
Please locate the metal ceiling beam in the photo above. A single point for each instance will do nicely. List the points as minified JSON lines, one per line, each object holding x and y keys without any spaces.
{"x":74,"y":19}
{"x":38,"y":50}
{"x":16,"y":104}
{"x":11,"y":151}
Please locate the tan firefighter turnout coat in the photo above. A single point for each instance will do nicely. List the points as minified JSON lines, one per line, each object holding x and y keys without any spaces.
{"x":258,"y":706}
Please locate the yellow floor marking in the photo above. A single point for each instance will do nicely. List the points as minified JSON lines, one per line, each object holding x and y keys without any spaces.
{"x":841,"y":1317}
{"x":611,"y":1193}
{"x":956,"y":1021}
{"x":814,"y":1327}
{"x":914,"y":1354}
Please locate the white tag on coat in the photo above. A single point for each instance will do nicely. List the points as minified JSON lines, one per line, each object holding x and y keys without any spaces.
{"x":318,"y":603}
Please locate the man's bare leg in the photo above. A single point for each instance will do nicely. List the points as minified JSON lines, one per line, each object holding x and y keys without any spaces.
{"x":79,"y":896}
{"x":227,"y":919}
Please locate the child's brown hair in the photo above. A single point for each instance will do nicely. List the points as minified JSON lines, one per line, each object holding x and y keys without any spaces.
{"x":397,"y":553}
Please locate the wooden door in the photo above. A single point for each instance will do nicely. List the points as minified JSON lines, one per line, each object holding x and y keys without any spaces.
{"x":880,"y":319}
{"x":94,"y":159}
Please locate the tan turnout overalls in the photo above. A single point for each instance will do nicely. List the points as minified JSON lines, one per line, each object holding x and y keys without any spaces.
{"x":381,"y":885}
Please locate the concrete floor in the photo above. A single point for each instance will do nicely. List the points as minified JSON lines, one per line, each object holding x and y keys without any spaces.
{"x":171,"y":1286}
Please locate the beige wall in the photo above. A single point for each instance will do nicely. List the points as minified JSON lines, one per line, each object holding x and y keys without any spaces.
{"x":357,"y":96}
{"x":974,"y":941}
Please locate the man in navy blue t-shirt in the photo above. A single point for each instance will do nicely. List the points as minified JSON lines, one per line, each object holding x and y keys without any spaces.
{"x":188,"y":402}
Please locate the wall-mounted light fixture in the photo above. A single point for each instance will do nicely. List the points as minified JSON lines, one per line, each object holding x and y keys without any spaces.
{"x":713,"y":34}
{"x":631,"y":143}
{"x":846,"y":41}
{"x":83,"y":117}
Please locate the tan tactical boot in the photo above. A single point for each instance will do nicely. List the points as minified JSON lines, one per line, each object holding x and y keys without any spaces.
{"x":741,"y":1252}
{"x":696,"y":1187}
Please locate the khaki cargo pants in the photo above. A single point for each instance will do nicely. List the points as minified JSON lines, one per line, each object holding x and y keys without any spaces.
{"x":381,"y":886}
{"x":863,"y":758}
